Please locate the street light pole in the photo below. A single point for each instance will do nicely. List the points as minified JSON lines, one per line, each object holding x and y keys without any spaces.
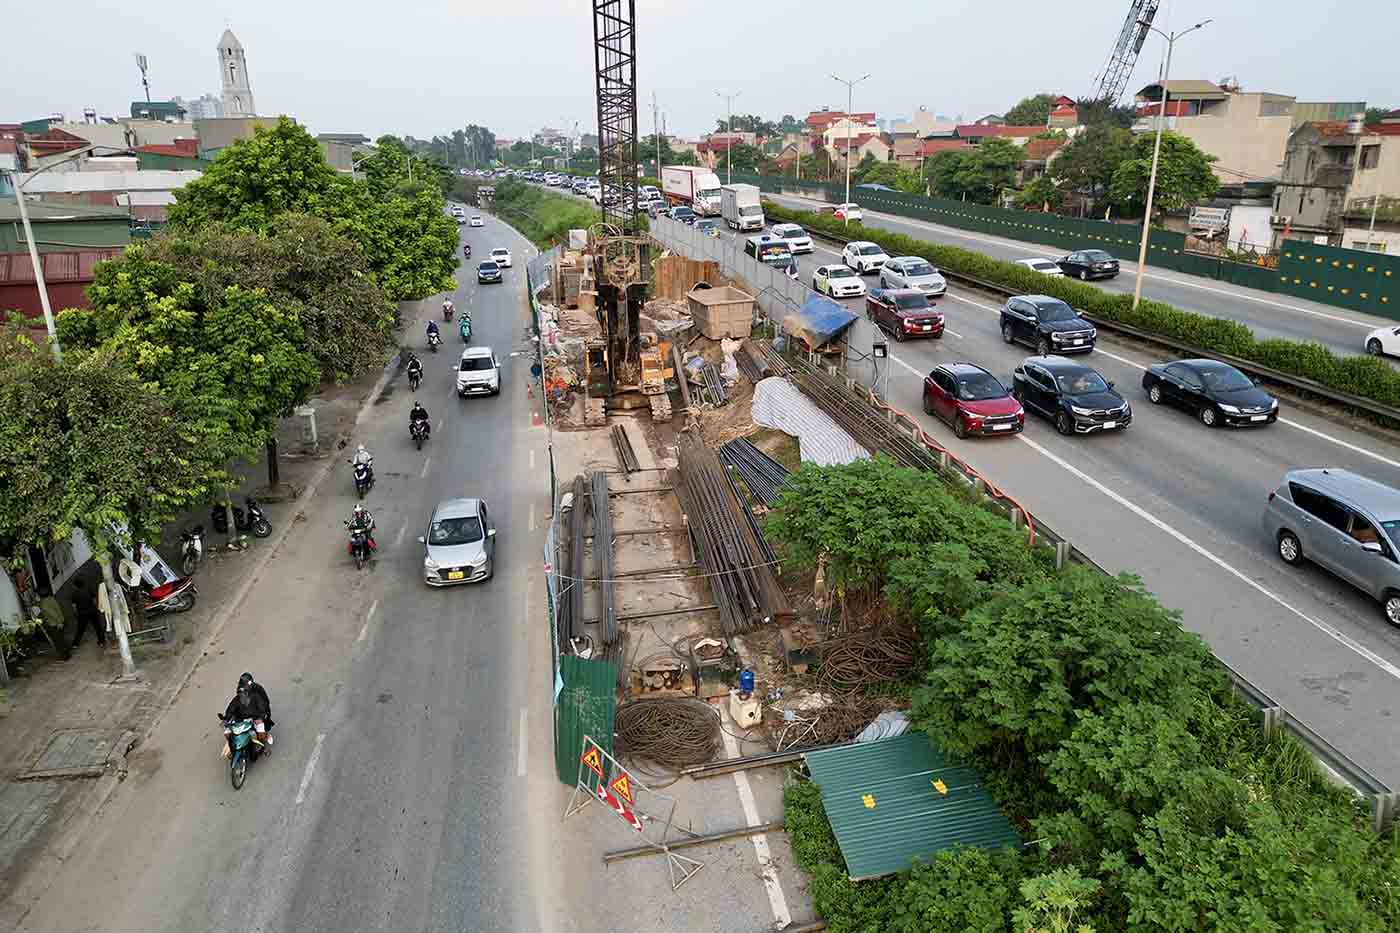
{"x":1156,"y":150}
{"x":850,"y":96}
{"x":729,"y":135}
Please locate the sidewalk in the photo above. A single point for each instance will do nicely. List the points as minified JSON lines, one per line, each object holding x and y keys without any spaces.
{"x":69,"y":730}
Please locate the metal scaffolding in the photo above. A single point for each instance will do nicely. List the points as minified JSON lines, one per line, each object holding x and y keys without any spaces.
{"x":1110,"y":82}
{"x":615,"y":61}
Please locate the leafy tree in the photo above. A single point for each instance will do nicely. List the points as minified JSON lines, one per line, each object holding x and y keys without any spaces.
{"x":481,"y":145}
{"x":892,"y":174}
{"x":586,"y":159}
{"x":1088,"y":162}
{"x":790,"y":124}
{"x":945,"y":171}
{"x":1031,"y":111}
{"x":394,"y":169}
{"x":1105,"y":113}
{"x":741,"y":158}
{"x":1183,"y":174}
{"x":959,"y":889}
{"x":408,"y":240}
{"x":747,"y":123}
{"x":1040,"y":194}
{"x":1054,"y":900}
{"x":1377,"y":114}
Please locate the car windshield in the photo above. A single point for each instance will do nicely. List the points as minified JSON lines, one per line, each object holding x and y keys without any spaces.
{"x":489,"y":267}
{"x":500,"y":252}
{"x":1043,"y":265}
{"x":911,"y":302}
{"x":1225,"y":379}
{"x":476,"y":217}
{"x":1056,"y":311}
{"x":707,"y":193}
{"x":1081,"y":383}
{"x":789,"y":231}
{"x":869,"y":249}
{"x":684,"y":212}
{"x":751,"y":210}
{"x":476,"y":364}
{"x":920,"y":268}
{"x":979,"y":388}
{"x":840,"y":272}
{"x":776,"y":254}
{"x":1096,"y":255}
{"x":446,"y":532}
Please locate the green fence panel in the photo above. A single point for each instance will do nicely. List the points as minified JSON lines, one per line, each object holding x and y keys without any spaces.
{"x":1349,"y":278}
{"x":587,"y":705}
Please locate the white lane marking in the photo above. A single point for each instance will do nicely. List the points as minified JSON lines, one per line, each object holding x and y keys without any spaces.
{"x":906,"y":366}
{"x":369,"y":617}
{"x":426,"y":463}
{"x":310,"y":769}
{"x":1162,"y":526}
{"x":532,"y":458}
{"x":776,"y":899}
{"x":520,"y":757}
{"x":441,"y":422}
{"x":531,"y":526}
{"x":398,"y":538}
{"x":953,"y":332}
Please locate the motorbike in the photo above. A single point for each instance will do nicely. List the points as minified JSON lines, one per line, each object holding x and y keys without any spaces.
{"x":245,"y":520}
{"x":359,"y":546}
{"x":447,"y":312}
{"x":171,"y":596}
{"x":242,"y":750}
{"x":433,"y":340}
{"x":191,"y":549}
{"x":466,"y":328}
{"x":364,"y":478}
{"x":418,"y":430}
{"x":415,"y":377}
{"x":467,"y":250}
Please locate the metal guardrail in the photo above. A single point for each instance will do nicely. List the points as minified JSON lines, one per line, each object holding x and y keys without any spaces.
{"x":1384,"y":801}
{"x":1297,"y":383}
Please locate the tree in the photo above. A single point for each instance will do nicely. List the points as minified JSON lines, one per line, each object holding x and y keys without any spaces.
{"x":1031,"y":111}
{"x":1040,"y":194}
{"x":1088,"y":162}
{"x":646,"y":149}
{"x":586,"y":159}
{"x":891,"y":174}
{"x":790,"y":124}
{"x":1103,"y":112}
{"x":1377,"y":114}
{"x":1183,"y":174}
{"x":408,"y":240}
{"x":1053,"y":901}
{"x":481,"y":145}
{"x":747,"y":123}
{"x":741,"y":158}
{"x":945,"y":171}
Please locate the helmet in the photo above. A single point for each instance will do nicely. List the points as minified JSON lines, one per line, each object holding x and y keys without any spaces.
{"x":359,"y":511}
{"x":361,"y":449}
{"x":246,"y":680}
{"x":417,"y":406}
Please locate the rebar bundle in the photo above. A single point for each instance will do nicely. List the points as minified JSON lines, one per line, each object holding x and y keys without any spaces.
{"x":714,"y":385}
{"x":571,"y":608}
{"x":626,"y":456}
{"x":603,"y":554}
{"x":669,"y":732}
{"x":764,"y":476}
{"x":747,"y":366}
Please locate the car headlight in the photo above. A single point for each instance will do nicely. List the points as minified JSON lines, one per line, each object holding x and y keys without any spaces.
{"x":1093,"y":333}
{"x":1230,"y":408}
{"x":1057,"y":337}
{"x":1273,"y":403}
{"x":430,"y":565}
{"x":1080,"y":411}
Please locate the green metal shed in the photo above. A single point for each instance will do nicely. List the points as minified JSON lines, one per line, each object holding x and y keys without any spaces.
{"x":887,"y":809}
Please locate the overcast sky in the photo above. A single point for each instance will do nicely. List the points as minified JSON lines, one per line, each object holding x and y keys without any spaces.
{"x":423,"y":66}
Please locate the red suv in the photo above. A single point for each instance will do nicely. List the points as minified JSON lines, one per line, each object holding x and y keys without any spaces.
{"x":972,"y":400}
{"x":903,"y":312}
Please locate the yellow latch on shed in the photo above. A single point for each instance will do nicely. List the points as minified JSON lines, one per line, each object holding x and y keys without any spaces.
{"x":869,"y":800}
{"x":940,"y":787}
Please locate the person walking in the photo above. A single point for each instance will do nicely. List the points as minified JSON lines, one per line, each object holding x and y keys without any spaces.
{"x":85,"y":609}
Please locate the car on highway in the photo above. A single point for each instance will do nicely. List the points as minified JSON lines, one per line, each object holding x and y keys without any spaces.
{"x":1344,"y":522}
{"x":913,"y":272}
{"x":1075,"y":398}
{"x":501,"y":256}
{"x":1043,"y":266}
{"x":1383,"y":341}
{"x":837,"y":281}
{"x":847,"y":211}
{"x":708,"y":227}
{"x":683,"y":214}
{"x":972,"y":400}
{"x":488,"y":271}
{"x":476,"y":221}
{"x":903,"y":313}
{"x":1046,"y":324}
{"x":1215,"y":392}
{"x":794,"y":236}
{"x":1089,"y":264}
{"x":655,"y":207}
{"x":459,"y":213}
{"x":459,"y":544}
{"x":478,"y":372}
{"x":863,"y":256}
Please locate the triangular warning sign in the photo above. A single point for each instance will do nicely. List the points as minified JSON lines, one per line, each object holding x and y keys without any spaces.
{"x":593,"y":759}
{"x":623,"y":786}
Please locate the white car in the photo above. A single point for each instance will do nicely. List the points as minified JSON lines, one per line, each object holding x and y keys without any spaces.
{"x":478,"y":372}
{"x":477,"y":221}
{"x":1044,"y":266}
{"x":837,"y":281}
{"x":1384,"y":341}
{"x":863,"y":256}
{"x":847,"y":211}
{"x":913,"y":272}
{"x":458,"y":211}
{"x":794,"y":236}
{"x":501,"y":257}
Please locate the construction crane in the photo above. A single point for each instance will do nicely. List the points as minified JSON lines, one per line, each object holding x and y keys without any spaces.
{"x":1113,"y":78}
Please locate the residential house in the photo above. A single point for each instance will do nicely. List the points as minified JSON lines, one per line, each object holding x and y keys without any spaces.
{"x":1040,"y":153}
{"x":857,"y":148}
{"x":1325,"y":111}
{"x":1064,"y":114}
{"x":1331,"y":179}
{"x":181,"y":155}
{"x":1247,"y":131}
{"x":908,"y":136}
{"x":975,"y":133}
{"x":847,"y":128}
{"x":217,"y":135}
{"x":125,"y":133}
{"x":71,"y":240}
{"x":819,"y":122}
{"x":990,"y":119}
{"x":165,"y":111}
{"x":111,"y":182}
{"x":711,"y":149}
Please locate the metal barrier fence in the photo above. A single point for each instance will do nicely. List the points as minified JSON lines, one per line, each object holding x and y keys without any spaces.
{"x":776,"y":294}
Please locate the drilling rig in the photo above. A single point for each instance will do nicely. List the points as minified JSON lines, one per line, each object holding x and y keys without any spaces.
{"x":1122,"y":58}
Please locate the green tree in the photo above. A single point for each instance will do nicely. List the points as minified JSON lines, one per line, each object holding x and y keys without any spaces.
{"x":1377,"y":114}
{"x":945,"y":171}
{"x":892,"y":174}
{"x":1054,"y":901}
{"x":1040,"y":194}
{"x":991,"y":168}
{"x":1088,"y":162}
{"x":1031,"y":111}
{"x":1183,"y":174}
{"x":741,"y":158}
{"x":1105,"y":113}
{"x":481,"y":145}
{"x":790,"y":124}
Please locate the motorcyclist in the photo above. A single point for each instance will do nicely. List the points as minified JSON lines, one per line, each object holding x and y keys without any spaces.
{"x":447,"y":309}
{"x":362,"y":520}
{"x":419,"y":413}
{"x":433,"y":331}
{"x":246,"y":680}
{"x":250,"y":704}
{"x":468,"y":250}
{"x":415,"y":368}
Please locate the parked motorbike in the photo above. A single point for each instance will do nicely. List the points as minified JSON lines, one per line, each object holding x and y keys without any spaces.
{"x":246,"y":520}
{"x":433,"y":340}
{"x":466,"y":327}
{"x":360,"y":546}
{"x":364,"y":478}
{"x":171,"y":596}
{"x":418,"y":430}
{"x":191,"y":549}
{"x":242,"y":750}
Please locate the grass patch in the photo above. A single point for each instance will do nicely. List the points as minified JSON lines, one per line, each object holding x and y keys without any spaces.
{"x":783,"y":448}
{"x":543,"y":217}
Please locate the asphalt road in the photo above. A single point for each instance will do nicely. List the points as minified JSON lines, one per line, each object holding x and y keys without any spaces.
{"x":1179,"y":505}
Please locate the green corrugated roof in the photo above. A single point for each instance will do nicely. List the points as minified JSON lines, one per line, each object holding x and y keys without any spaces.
{"x":910,"y":818}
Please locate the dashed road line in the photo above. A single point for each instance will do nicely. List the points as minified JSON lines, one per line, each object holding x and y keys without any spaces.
{"x":310,"y":769}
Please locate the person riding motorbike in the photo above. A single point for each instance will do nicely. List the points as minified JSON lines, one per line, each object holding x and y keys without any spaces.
{"x":419,"y":414}
{"x":248,"y":704}
{"x":259,"y":693}
{"x":362,"y":520}
{"x":447,"y":309}
{"x":468,"y":250}
{"x":415,"y":369}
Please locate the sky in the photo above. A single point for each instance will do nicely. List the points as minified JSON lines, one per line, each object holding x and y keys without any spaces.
{"x":423,"y":67}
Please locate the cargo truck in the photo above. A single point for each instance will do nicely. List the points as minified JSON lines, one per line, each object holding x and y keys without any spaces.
{"x":740,"y":207}
{"x":693,"y":186}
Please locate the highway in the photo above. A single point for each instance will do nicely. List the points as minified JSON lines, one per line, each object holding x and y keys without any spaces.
{"x":1269,"y":315}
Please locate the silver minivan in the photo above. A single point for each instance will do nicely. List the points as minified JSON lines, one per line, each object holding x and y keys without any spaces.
{"x":1343,"y":522}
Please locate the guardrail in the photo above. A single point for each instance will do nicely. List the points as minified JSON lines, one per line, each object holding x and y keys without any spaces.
{"x":1383,"y":800}
{"x":1297,"y":383}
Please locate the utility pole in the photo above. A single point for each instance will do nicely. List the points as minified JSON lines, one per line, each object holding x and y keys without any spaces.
{"x":850,"y":97}
{"x":1156,"y":149}
{"x":656,"y":129}
{"x":729,"y":135}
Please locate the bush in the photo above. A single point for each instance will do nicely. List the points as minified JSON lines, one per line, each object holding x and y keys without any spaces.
{"x":542,"y":216}
{"x":1366,"y":377}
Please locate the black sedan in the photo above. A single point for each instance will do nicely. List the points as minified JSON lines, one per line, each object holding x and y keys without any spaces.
{"x":1073,"y":396}
{"x":1089,"y":264}
{"x":1215,"y":392}
{"x":488,"y":271}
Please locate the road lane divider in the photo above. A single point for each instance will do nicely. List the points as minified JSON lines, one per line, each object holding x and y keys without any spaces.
{"x":310,"y":771}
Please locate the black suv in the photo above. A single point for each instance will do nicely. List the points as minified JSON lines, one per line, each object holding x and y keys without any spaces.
{"x":1074,"y":396}
{"x":1047,"y":324}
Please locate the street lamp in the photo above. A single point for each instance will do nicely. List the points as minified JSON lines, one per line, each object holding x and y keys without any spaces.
{"x":850,"y":94}
{"x":1157,"y":148}
{"x":729,"y":135}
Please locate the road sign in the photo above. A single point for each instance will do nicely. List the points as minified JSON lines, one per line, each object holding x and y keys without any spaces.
{"x":606,"y":796}
{"x":623,"y":785}
{"x":593,"y":759}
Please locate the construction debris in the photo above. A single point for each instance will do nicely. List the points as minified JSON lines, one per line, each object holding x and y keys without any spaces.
{"x":715,"y":392}
{"x":667,"y":732}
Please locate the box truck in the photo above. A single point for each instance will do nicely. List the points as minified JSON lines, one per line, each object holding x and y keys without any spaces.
{"x":694,"y":186}
{"x":740,"y":207}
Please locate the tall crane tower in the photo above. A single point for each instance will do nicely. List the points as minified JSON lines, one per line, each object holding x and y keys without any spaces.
{"x":615,"y":61}
{"x":1113,"y":78}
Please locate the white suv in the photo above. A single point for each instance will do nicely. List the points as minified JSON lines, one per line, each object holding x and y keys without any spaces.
{"x":863,"y":256}
{"x":501,"y":257}
{"x":478,"y":373}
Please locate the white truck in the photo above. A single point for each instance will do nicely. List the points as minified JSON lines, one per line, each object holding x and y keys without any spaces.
{"x":696,"y":187}
{"x":740,"y":207}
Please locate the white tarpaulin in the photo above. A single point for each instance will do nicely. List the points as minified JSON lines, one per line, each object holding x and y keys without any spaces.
{"x":780,"y":405}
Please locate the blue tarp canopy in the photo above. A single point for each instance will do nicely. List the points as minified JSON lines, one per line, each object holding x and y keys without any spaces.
{"x":820,"y":320}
